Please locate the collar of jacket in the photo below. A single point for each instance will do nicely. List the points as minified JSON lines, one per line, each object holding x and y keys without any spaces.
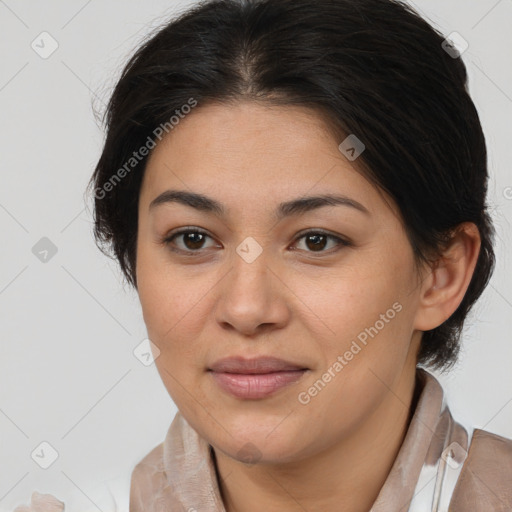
{"x":180,"y":474}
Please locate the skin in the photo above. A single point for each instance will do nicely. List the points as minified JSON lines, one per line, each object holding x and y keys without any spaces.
{"x":305,"y":305}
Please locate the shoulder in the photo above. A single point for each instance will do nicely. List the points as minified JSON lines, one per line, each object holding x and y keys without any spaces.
{"x":152,"y":460}
{"x":147,"y":478}
{"x":485,"y":481}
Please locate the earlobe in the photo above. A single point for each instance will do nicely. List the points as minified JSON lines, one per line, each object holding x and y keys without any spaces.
{"x":449,"y":278}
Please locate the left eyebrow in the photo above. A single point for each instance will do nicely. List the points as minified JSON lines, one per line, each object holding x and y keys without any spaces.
{"x":286,"y":209}
{"x":306,"y":204}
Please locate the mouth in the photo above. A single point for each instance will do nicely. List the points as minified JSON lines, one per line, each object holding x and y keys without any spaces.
{"x":252,"y":379}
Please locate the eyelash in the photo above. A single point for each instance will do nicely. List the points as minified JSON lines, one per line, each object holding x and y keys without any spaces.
{"x":168,"y":239}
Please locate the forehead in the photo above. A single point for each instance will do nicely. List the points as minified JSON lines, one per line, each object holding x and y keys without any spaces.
{"x":254,"y":153}
{"x":229,"y":131}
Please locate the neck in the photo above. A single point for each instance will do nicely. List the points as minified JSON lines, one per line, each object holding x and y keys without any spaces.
{"x":346,"y":477}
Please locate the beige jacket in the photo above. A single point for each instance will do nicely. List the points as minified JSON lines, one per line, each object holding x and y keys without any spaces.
{"x":434,"y":470}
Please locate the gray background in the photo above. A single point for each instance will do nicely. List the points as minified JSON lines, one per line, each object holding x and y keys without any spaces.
{"x":69,"y":326}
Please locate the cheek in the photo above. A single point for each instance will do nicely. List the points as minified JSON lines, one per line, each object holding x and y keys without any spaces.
{"x":174,"y":306}
{"x":369,"y":311}
{"x":171,"y":316}
{"x":163,"y":294}
{"x":172,"y":322}
{"x":354,"y":301}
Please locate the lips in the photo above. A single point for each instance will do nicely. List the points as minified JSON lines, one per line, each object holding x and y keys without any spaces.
{"x":255,"y":378}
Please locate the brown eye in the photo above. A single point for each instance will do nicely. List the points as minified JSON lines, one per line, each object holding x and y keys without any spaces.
{"x":316,"y":241}
{"x":192,"y":240}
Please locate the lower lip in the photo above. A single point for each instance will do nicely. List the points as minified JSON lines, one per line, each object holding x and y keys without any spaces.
{"x":259,"y":385}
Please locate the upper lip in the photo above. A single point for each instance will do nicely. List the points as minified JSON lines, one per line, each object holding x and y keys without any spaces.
{"x":242,"y":365}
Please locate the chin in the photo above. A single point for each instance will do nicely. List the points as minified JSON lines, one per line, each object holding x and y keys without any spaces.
{"x":259,"y":451}
{"x":257,"y":439}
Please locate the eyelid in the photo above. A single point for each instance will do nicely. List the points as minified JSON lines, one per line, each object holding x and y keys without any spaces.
{"x":342,"y":241}
{"x":167,"y":239}
{"x":319,"y":231}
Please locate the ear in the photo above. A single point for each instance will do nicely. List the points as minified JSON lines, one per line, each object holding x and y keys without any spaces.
{"x":446,"y":282}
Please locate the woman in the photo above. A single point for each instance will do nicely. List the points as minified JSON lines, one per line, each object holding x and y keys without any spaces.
{"x":297,"y":191}
{"x":308,"y":226}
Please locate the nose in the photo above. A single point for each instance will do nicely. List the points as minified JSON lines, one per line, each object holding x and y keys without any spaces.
{"x":253,"y":297}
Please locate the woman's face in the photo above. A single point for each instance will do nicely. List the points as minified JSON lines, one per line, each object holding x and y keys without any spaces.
{"x":264,"y":280}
